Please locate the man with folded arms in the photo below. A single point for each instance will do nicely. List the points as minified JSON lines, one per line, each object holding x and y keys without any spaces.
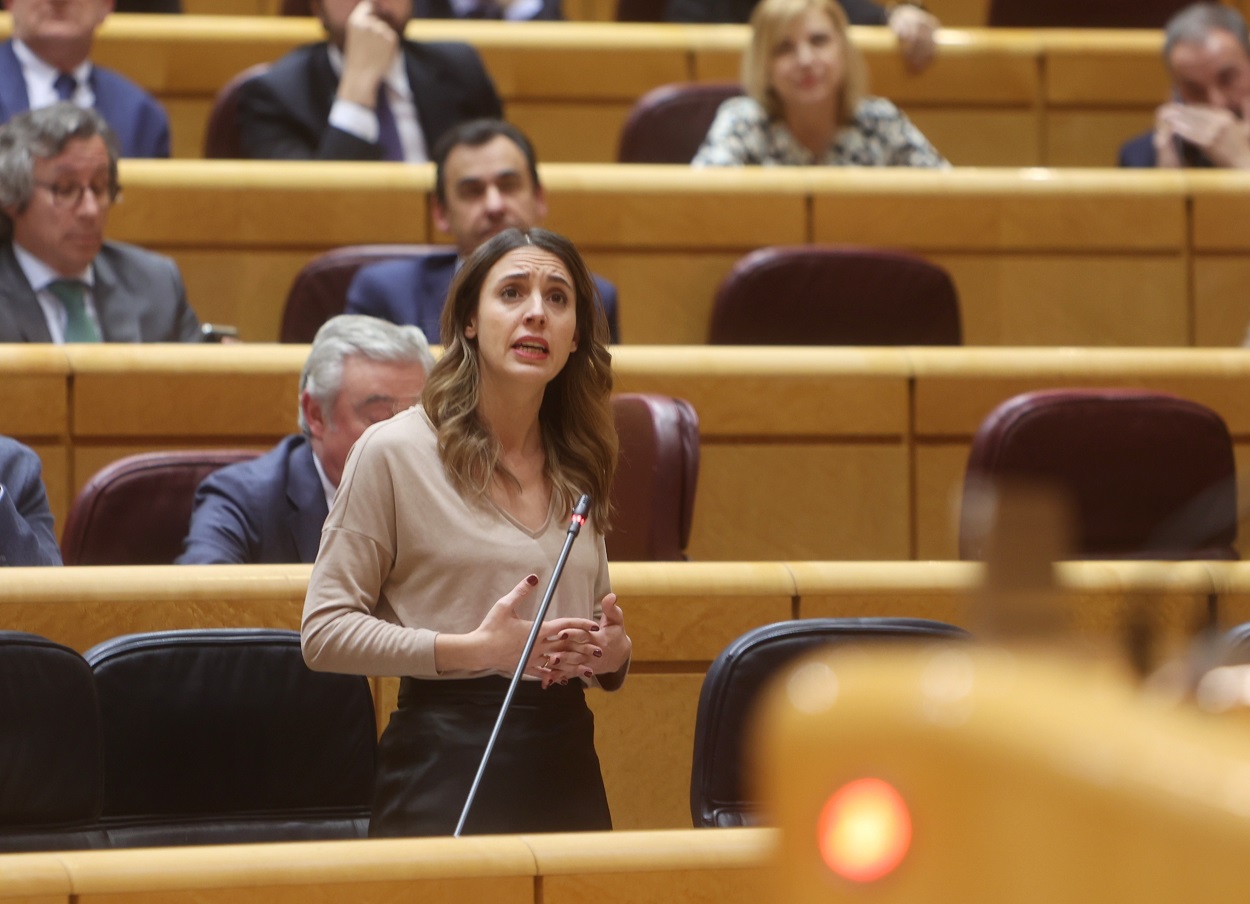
{"x":60,"y":281}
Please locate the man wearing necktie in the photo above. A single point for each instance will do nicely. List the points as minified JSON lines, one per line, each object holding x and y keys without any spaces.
{"x":60,"y":281}
{"x":49,"y":60}
{"x":366,"y":93}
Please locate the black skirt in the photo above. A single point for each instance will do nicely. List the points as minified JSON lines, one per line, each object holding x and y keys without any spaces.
{"x":543,"y":775}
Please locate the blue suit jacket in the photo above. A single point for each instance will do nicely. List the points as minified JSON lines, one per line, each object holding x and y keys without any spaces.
{"x":266,"y":511}
{"x":1140,"y":152}
{"x":140,"y":123}
{"x":26,"y":533}
{"x":412,"y":290}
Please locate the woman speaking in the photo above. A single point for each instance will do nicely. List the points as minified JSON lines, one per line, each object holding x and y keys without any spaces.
{"x":447,"y":519}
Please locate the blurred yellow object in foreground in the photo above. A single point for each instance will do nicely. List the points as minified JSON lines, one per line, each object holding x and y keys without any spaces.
{"x":980,"y":774}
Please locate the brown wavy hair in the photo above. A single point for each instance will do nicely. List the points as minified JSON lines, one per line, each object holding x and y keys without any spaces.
{"x":578,"y":430}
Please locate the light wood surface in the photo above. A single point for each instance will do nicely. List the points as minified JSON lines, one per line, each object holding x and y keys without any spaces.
{"x":807,"y":453}
{"x":1039,"y":257}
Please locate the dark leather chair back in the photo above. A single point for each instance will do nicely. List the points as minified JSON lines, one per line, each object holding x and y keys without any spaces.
{"x":50,"y":755}
{"x":835,"y":295}
{"x":221,"y":135}
{"x":137,"y":510}
{"x":1083,"y":13}
{"x":319,"y":291}
{"x":656,"y":474}
{"x":296,"y":8}
{"x":1149,"y":475}
{"x":668,"y":123}
{"x":640,"y":10}
{"x":718,"y":796}
{"x":225,"y":736}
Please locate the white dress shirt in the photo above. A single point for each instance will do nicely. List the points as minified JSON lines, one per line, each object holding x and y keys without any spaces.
{"x":41,"y":80}
{"x":361,"y":121}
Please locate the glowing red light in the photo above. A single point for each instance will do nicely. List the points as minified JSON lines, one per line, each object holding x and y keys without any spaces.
{"x":864,"y":830}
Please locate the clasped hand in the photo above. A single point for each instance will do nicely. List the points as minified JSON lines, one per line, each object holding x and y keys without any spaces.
{"x":1223,"y":137}
{"x":566,"y":647}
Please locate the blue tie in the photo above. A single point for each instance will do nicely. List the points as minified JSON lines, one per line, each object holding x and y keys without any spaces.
{"x":65,"y":86}
{"x":78,"y":324}
{"x":388,"y":132}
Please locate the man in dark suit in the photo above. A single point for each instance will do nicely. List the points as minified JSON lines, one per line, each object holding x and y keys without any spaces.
{"x":915,"y":28}
{"x":48,"y":60}
{"x":1206,"y":49}
{"x":26,"y":534}
{"x":486,"y":181}
{"x":366,"y":94}
{"x":359,"y":371}
{"x":59,"y":280}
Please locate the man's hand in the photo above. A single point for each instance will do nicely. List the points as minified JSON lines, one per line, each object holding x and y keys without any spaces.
{"x":916,"y":31}
{"x":369,"y":47}
{"x":1222,"y":137}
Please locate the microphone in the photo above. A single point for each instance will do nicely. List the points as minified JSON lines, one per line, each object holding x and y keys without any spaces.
{"x":575,"y":526}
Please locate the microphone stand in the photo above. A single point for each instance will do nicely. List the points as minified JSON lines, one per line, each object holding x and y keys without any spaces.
{"x":575,"y":526}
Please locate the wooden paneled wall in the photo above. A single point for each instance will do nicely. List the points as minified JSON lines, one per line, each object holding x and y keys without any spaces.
{"x":807,"y":453}
{"x":1040,"y":257}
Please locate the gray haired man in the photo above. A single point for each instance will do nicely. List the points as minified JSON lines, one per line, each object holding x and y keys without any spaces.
{"x":60,"y":281}
{"x":360,"y":371}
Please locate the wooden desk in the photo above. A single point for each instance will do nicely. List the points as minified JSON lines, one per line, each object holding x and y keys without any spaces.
{"x":807,"y":453}
{"x":1040,"y":257}
{"x":680,"y":617}
{"x":610,"y":867}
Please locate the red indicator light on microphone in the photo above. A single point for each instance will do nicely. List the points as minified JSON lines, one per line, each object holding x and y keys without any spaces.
{"x":864,"y":830}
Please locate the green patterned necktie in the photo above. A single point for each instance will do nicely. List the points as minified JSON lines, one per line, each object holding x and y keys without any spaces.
{"x":78,"y":324}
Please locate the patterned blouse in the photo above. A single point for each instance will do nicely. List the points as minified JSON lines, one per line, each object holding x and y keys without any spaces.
{"x":880,"y":135}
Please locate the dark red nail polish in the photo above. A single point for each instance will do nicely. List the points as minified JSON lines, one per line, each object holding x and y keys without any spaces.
{"x":532,"y":580}
{"x":598,"y":652}
{"x":588,"y":673}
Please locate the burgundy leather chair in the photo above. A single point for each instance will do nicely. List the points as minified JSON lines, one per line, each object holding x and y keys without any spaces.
{"x":718,"y":794}
{"x":137,"y":510}
{"x":221,"y":135}
{"x":224,"y":735}
{"x":657,"y":470}
{"x":668,"y":123}
{"x":296,"y":8}
{"x":835,"y":295}
{"x":50,"y":757}
{"x":1149,"y":475}
{"x":319,"y":291}
{"x":640,"y":10}
{"x":1083,"y":13}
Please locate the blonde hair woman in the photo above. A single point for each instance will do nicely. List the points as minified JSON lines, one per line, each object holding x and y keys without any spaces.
{"x":805,"y":100}
{"x":448,"y":518}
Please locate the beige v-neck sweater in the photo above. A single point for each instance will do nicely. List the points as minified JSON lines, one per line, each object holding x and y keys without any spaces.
{"x":403,"y":556}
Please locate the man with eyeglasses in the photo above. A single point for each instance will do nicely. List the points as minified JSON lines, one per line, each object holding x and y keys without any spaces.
{"x":49,"y":60}
{"x":60,"y":281}
{"x":359,"y":371}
